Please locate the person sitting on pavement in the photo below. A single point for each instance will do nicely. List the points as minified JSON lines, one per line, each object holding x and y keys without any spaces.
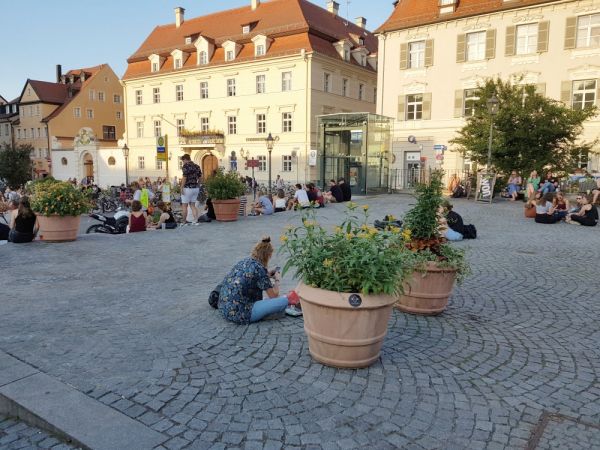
{"x":549,"y":185}
{"x":455,"y":222}
{"x":561,"y":205}
{"x":263,"y":205}
{"x":209,"y":212}
{"x":514,"y":185}
{"x":24,"y":224}
{"x":241,"y":292}
{"x":9,"y":207}
{"x":335,"y":193}
{"x":280,"y":201}
{"x":531,"y":204}
{"x":544,"y":210}
{"x":533,"y":184}
{"x":165,"y":217}
{"x":314,"y":195}
{"x":138,"y":219}
{"x":596,"y":192}
{"x":444,"y":229}
{"x":300,"y":199}
{"x":587,"y":215}
{"x":345,"y":188}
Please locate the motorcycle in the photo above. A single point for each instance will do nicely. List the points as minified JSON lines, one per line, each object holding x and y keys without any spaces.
{"x":110,"y":225}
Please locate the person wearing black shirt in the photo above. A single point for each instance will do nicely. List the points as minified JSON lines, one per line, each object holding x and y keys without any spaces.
{"x":23,"y":224}
{"x":345,"y":188}
{"x":335,"y":193}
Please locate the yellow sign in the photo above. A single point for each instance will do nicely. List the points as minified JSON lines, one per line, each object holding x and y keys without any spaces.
{"x":162,"y":148}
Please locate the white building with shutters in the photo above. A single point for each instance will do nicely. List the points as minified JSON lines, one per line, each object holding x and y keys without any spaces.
{"x":434,"y":53}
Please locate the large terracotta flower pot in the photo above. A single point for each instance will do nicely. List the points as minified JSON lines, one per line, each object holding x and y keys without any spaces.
{"x":226,"y":210}
{"x":58,"y":228}
{"x":427,"y":293}
{"x":344,"y":330}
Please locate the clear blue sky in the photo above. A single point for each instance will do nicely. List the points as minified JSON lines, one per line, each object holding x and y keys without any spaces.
{"x":38,"y":34}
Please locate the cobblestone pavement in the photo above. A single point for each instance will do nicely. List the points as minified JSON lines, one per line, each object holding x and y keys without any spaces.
{"x":15,"y":435}
{"x":125,"y":320}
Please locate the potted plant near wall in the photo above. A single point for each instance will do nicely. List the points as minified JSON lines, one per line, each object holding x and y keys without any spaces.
{"x":437,"y":264}
{"x":225,"y":190}
{"x":349,"y":278}
{"x":59,"y":206}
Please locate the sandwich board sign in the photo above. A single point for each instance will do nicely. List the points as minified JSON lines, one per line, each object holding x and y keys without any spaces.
{"x":485,"y":187}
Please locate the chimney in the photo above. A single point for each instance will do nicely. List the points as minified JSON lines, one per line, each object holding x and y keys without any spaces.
{"x":179,"y":12}
{"x":361,"y":22}
{"x":58,"y":73}
{"x":255,"y":4}
{"x":333,"y":7}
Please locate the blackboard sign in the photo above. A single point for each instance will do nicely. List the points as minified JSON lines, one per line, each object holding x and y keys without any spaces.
{"x":485,"y":187}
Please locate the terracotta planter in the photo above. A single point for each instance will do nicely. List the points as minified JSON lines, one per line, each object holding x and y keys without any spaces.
{"x":340,"y":334}
{"x":226,"y":210}
{"x":58,"y":229}
{"x":427,"y":293}
{"x":530,"y":213}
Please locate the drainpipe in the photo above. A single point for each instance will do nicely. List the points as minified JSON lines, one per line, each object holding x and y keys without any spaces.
{"x":49,"y":149}
{"x":382,"y":68}
{"x":308,"y":116}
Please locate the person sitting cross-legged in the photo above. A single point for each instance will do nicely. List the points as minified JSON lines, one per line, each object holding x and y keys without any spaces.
{"x":263,"y":205}
{"x":300,"y":199}
{"x":544,"y":210}
{"x":165,"y":217}
{"x":587,"y":215}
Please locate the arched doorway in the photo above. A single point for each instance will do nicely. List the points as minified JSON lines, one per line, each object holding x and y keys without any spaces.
{"x":88,"y":166}
{"x":210,"y":163}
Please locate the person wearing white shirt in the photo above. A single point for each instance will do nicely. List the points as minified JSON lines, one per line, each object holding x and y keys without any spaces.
{"x":300,"y":198}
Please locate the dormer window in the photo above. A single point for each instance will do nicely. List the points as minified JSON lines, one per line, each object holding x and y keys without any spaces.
{"x":346,"y":55}
{"x":177,"y":63}
{"x":154,"y":67}
{"x":230,"y":56}
{"x":203,"y":58}
{"x":231,"y":50}
{"x":205,"y":49}
{"x":361,"y":41}
{"x":447,"y":6}
{"x":261,"y":44}
{"x":188,"y":40}
{"x":179,"y":58}
{"x":155,"y":62}
{"x":260,"y":50}
{"x":246,"y":29}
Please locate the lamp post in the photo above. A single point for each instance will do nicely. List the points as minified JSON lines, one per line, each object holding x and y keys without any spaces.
{"x":492,"y":105}
{"x":126,"y":155}
{"x":270,"y":142}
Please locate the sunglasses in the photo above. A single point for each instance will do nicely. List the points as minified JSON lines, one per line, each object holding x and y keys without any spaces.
{"x":578,"y":198}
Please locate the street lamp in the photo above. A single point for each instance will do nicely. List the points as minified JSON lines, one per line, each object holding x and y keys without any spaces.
{"x":270,"y":142}
{"x":492,"y":105}
{"x":126,"y":155}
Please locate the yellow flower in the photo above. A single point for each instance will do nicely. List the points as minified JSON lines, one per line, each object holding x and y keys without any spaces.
{"x":327,"y":263}
{"x":365,"y":227}
{"x":349,"y":236}
{"x":363,"y":235}
{"x":338,"y":229}
{"x":283,"y":238}
{"x":366,"y":207}
{"x":406,"y":234}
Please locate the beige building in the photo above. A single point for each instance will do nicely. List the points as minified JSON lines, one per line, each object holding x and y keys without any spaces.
{"x":217,"y":85}
{"x":71,"y":122}
{"x":8,"y":115}
{"x":434,"y":53}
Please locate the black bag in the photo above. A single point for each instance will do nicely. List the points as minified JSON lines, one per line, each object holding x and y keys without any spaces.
{"x":459,"y":191}
{"x":470,"y":232}
{"x":213,"y":298}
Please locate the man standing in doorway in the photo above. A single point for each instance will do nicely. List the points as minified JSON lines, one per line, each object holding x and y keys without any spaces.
{"x":190,"y":187}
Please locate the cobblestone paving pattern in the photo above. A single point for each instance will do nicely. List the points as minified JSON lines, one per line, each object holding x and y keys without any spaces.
{"x":125,"y":320}
{"x":567,"y":434}
{"x":16,"y":435}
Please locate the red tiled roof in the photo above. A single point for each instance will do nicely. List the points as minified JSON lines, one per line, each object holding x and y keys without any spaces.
{"x":49,"y":92}
{"x":413,"y":13}
{"x":293,"y":24}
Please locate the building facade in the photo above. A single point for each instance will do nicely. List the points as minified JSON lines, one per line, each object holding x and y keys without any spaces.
{"x":9,"y":113}
{"x":217,"y":87}
{"x":433,"y":54}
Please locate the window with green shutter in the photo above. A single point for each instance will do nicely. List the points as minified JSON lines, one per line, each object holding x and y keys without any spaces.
{"x":426,"y":106}
{"x":403,"y":56}
{"x":565,"y":92}
{"x":509,"y":48}
{"x":490,"y":44}
{"x":429,"y":53}
{"x":543,"y":36}
{"x":570,"y":33}
{"x":461,"y":48}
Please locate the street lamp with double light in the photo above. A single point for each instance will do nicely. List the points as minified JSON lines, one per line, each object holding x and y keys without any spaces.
{"x":126,"y":155}
{"x":270,"y":141}
{"x":492,"y":105}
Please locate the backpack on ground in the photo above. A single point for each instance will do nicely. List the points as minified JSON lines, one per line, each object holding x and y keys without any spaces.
{"x":469,"y":232}
{"x":459,"y":191}
{"x":213,"y":298}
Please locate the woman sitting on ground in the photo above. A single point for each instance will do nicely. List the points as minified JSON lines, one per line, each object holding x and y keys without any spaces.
{"x":209,"y":212}
{"x":241,"y":292}
{"x":335,"y":193}
{"x":314,"y":195}
{"x":587,"y":215}
{"x":533,"y":184}
{"x":544,"y":210}
{"x":138,"y":219}
{"x":280,"y":201}
{"x":263,"y":205}
{"x":514,"y":185}
{"x":531,"y":204}
{"x":23,"y":223}
{"x":166,"y":217}
{"x":561,"y":205}
{"x":444,"y":229}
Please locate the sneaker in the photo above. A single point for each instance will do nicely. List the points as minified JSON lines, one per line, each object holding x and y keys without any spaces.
{"x":293,"y":311}
{"x":293,"y":298}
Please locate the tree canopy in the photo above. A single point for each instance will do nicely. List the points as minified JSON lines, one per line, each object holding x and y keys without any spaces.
{"x":531,"y":131}
{"x":15,"y":164}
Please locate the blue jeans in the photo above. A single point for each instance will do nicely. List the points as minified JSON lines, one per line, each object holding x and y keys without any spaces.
{"x":451,"y":235}
{"x":263,"y":308}
{"x":548,"y":187}
{"x":512,"y":188}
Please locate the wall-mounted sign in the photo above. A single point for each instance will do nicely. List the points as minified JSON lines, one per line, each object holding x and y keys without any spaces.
{"x":413,"y":156}
{"x":161,"y":148}
{"x":312,"y":158}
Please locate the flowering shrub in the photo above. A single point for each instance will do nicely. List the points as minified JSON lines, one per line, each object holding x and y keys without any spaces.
{"x":355,"y":257}
{"x":59,"y":198}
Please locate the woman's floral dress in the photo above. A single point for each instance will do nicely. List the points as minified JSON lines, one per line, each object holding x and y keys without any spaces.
{"x":242,"y":287}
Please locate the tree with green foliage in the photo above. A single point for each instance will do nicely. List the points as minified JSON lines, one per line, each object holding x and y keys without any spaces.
{"x":531,"y":131}
{"x":15,"y":164}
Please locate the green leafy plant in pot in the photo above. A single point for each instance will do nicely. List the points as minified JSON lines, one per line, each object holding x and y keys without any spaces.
{"x":349,"y":278}
{"x":224,"y":189}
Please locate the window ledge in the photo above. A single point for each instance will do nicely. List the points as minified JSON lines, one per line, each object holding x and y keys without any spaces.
{"x":524,"y":59}
{"x":415,"y":73}
{"x":585,"y":52}
{"x":474,"y":65}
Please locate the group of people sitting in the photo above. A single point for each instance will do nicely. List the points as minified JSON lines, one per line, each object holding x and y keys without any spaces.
{"x":23,"y":225}
{"x":554,"y":207}
{"x":532,"y":184}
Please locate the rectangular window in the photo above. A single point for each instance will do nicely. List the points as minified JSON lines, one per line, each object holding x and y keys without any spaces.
{"x":231,"y":87}
{"x":527,"y":39}
{"x":18,"y":133}
{"x":159,"y":164}
{"x":286,"y":81}
{"x":476,"y":46}
{"x":584,"y":94}
{"x":470,"y":102}
{"x":262,"y":163}
{"x":141,"y":162}
{"x":261,"y":123}
{"x":361,"y":91}
{"x":416,"y":55}
{"x":204,"y":124}
{"x":140,"y":129}
{"x":345,"y":87}
{"x":286,"y":119}
{"x":89,"y":113}
{"x":260,"y":84}
{"x":45,"y":132}
{"x":32,"y":134}
{"x":287,"y":163}
{"x":138,"y":97}
{"x":229,"y":56}
{"x":327,"y":82}
{"x":77,"y":112}
{"x":179,"y":92}
{"x":414,"y":107}
{"x":246,"y":29}
{"x":100,"y":96}
{"x":178,"y":63}
{"x":37,"y":110}
{"x":157,"y":128}
{"x":154,"y":67}
{"x":118,"y":115}
{"x":588,"y":30}
{"x":260,"y":50}
{"x":374,"y":95}
{"x":180,"y":126}
{"x":156,"y":95}
{"x":116,"y":98}
{"x":204,"y":89}
{"x":232,"y":124}
{"x":203,"y":58}
{"x":92,"y":95}
{"x":108,"y":133}
{"x":6,"y":129}
{"x":39,"y":133}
